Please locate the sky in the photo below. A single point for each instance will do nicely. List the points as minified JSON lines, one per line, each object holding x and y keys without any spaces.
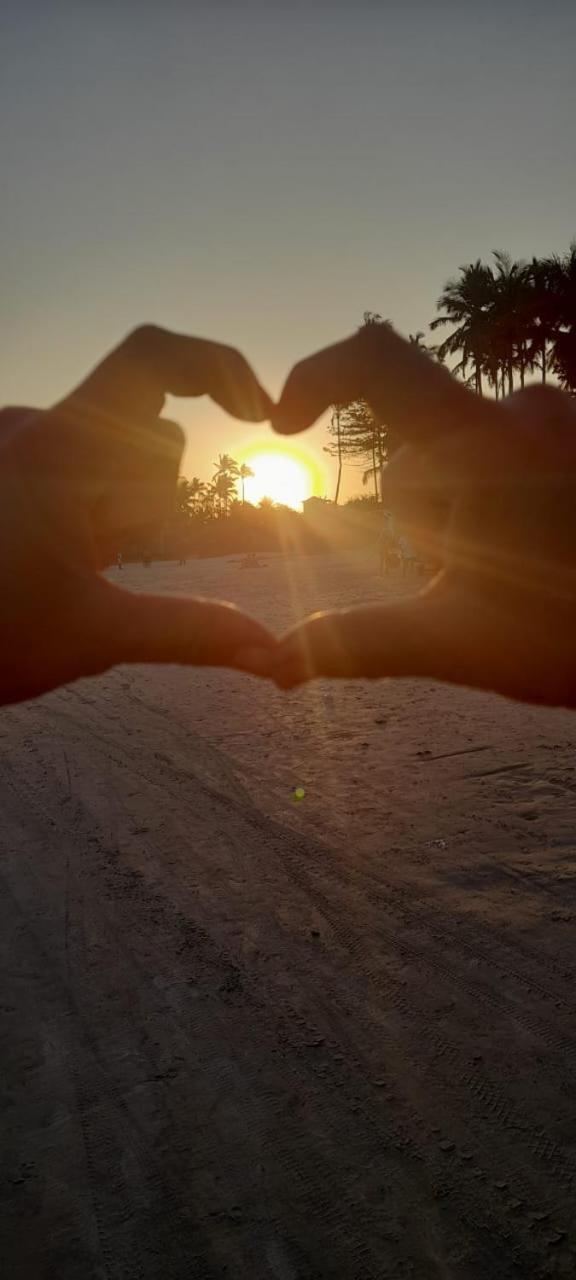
{"x":262,"y":173}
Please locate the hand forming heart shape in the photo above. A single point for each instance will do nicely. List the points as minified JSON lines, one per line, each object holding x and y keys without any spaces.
{"x":487,"y":488}
{"x":74,"y":481}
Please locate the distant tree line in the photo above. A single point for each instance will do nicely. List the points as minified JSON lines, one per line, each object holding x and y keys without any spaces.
{"x":213,"y":500}
{"x":214,"y":519}
{"x":211,"y":518}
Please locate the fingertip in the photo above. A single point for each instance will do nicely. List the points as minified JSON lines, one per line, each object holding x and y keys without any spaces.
{"x":286,"y":423}
{"x":291,"y":670}
{"x":287,"y":682}
{"x":256,"y":405}
{"x":252,"y":404}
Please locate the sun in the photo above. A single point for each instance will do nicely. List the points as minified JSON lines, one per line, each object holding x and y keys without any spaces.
{"x":286,"y":475}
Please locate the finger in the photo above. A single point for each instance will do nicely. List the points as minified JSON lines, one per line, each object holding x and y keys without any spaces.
{"x":369,"y":642}
{"x":410,"y":392}
{"x":13,"y":418}
{"x":161,"y":629}
{"x":418,"y":494}
{"x":442,"y":634}
{"x":111,"y":484}
{"x":138,"y":497}
{"x":420,"y":486}
{"x":133,"y":380}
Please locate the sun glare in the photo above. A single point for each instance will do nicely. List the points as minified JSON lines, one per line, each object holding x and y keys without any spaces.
{"x":287,"y":476}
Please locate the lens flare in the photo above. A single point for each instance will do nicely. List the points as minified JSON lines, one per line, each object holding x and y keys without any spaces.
{"x":286,"y":475}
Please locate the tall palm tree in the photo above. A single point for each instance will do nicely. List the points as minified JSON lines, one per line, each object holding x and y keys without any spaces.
{"x":544,"y":319}
{"x":226,"y":465}
{"x":208,"y":502}
{"x":465,"y":302}
{"x":511,"y":317}
{"x":562,"y":275}
{"x":226,"y":472}
{"x":493,"y":309}
{"x":224,"y":487}
{"x":245,"y":472}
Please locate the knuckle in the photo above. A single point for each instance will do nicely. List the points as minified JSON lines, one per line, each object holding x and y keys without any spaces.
{"x":144,"y":337}
{"x":235,"y":359}
{"x":302,"y":372}
{"x":541,"y":400}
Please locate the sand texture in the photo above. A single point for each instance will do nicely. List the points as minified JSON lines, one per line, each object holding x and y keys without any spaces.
{"x":252,"y":1038}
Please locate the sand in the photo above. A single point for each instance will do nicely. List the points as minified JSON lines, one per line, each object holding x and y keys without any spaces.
{"x":248,"y":1037}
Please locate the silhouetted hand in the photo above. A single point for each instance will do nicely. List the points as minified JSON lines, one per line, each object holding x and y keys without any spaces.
{"x":487,"y":490}
{"x":74,"y":481}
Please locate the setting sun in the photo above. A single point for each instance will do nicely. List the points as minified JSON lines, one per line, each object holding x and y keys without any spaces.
{"x":287,"y":476}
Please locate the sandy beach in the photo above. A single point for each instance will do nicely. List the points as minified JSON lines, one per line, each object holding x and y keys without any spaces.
{"x":244,"y":1036}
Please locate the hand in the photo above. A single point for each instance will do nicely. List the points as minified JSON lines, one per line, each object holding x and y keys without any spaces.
{"x":73,"y":482}
{"x":486,"y":489}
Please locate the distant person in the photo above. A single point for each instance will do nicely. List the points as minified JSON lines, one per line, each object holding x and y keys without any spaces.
{"x":119,"y":560}
{"x":386,"y":552}
{"x":251,"y":561}
{"x":407,"y":557}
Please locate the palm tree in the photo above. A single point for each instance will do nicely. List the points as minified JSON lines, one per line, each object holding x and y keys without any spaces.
{"x":493,"y":308}
{"x":196,"y":492}
{"x":245,"y":472}
{"x":562,"y":282}
{"x":466,"y":302}
{"x":511,"y":316}
{"x":226,"y":471}
{"x":224,"y":487}
{"x":543,"y":321}
{"x":226,"y":466}
{"x":184,"y":497}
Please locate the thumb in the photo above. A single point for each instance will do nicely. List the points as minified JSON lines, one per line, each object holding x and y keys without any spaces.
{"x":162,"y":629}
{"x":392,"y":640}
{"x":445,"y":633}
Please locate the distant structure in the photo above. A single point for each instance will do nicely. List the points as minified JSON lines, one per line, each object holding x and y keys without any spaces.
{"x":312,"y":506}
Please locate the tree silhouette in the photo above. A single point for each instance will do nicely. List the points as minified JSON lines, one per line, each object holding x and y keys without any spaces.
{"x":510,"y":318}
{"x":465,"y":302}
{"x":224,"y":487}
{"x":244,"y":472}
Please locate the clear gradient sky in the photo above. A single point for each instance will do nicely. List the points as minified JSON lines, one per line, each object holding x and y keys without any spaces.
{"x":264,"y":172}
